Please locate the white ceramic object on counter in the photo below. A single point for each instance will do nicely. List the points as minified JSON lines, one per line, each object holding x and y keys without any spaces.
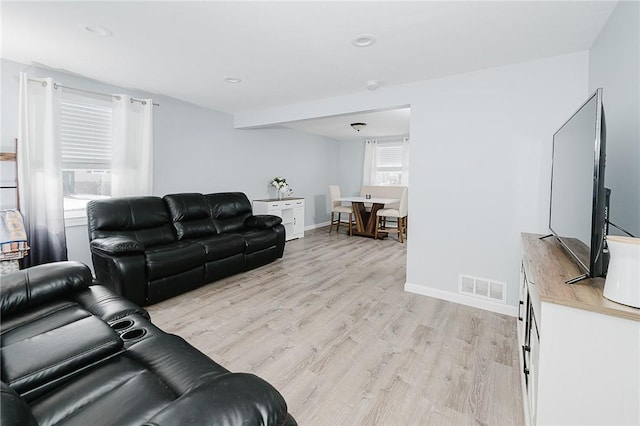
{"x":622,"y":284}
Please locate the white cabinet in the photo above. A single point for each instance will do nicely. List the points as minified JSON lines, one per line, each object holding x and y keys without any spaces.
{"x":291,"y":210}
{"x":529,"y":344}
{"x":579,"y":352}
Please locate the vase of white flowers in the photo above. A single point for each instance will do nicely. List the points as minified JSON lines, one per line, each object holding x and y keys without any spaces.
{"x":281,"y":186}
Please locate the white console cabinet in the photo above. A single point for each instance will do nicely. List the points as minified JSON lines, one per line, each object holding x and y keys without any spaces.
{"x":579,"y":352}
{"x":291,"y":210}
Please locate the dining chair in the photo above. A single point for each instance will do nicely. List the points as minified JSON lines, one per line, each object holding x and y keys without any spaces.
{"x":337,"y":207}
{"x":400,"y":214}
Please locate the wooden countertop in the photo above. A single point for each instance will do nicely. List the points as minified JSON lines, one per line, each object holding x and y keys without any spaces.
{"x":269,"y":200}
{"x":548,"y":266}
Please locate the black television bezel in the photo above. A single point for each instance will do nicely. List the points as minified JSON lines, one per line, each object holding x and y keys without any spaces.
{"x":597,"y":265}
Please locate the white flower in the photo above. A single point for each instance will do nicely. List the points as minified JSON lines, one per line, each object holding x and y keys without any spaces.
{"x":279,"y":182}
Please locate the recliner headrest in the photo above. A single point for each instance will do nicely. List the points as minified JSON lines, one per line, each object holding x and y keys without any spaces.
{"x":32,"y":286}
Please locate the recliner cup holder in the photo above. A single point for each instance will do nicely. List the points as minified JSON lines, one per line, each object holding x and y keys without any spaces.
{"x":122,"y":325}
{"x":136,"y":333}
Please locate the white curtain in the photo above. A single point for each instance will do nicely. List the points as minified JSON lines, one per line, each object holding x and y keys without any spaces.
{"x":40,"y":170}
{"x":132,"y":156}
{"x":405,"y":162}
{"x":370,"y":162}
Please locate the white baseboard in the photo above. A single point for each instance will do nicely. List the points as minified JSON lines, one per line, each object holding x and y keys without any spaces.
{"x":315,"y":226}
{"x":462,"y":299}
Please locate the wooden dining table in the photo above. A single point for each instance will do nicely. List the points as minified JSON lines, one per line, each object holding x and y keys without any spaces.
{"x":366,"y":220}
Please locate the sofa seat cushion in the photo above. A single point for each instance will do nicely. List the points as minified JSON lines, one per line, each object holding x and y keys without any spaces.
{"x":257,"y":240}
{"x":178,"y":364}
{"x":121,"y":391}
{"x":38,"y":360}
{"x":218,"y":403}
{"x":221,"y":246}
{"x":171,"y":259}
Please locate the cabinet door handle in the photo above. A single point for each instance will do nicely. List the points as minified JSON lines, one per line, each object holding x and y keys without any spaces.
{"x":525,"y":369}
{"x":294,"y":220}
{"x":519,"y":315}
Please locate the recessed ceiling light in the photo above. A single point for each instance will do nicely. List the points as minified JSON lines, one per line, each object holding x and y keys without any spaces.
{"x":372,"y":84}
{"x":232,"y":80}
{"x":99,"y":30}
{"x":363,"y":40}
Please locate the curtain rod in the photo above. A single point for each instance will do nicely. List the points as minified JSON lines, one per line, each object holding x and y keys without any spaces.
{"x":388,"y":139}
{"x":56,"y":85}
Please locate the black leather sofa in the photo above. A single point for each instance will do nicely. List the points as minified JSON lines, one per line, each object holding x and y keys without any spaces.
{"x":148,"y":249}
{"x":78,"y":354}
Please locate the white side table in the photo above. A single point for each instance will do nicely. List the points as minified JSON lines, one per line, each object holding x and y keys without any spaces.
{"x":291,"y":210}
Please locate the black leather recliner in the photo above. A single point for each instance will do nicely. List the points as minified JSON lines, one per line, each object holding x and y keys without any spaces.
{"x":149,"y":248}
{"x":78,"y":354}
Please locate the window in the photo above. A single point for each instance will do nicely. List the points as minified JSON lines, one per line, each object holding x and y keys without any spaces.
{"x":85,"y":127}
{"x":386,"y":163}
{"x":389,"y":164}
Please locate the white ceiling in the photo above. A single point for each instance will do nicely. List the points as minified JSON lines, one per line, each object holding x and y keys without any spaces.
{"x":289,"y":52}
{"x":379,"y":124}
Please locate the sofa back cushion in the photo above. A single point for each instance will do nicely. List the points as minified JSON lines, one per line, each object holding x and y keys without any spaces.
{"x":229,"y":210}
{"x":190,"y":215}
{"x":144,"y":219}
{"x":42,"y":283}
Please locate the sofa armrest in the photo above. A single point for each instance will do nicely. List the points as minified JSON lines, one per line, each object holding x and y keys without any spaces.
{"x":38,"y":284}
{"x":15,"y":411}
{"x":115,"y":246}
{"x":106,"y":304}
{"x":262,"y":221}
{"x":126,"y":275}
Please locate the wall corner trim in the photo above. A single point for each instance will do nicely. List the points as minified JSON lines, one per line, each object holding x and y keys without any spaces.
{"x":461,"y":299}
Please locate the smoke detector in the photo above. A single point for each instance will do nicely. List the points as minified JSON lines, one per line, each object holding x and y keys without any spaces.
{"x":372,"y":84}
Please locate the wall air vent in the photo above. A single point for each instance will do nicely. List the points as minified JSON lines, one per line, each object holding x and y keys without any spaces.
{"x":483,"y":288}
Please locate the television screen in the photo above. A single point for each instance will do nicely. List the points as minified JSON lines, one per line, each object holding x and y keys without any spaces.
{"x":577,"y":216}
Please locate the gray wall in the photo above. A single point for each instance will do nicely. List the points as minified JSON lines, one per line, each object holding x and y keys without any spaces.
{"x":198,"y":150}
{"x":480,"y":163}
{"x":614,"y":65}
{"x":351,"y":163}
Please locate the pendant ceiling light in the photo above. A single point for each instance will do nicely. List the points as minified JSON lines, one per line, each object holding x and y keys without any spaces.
{"x":358,"y":126}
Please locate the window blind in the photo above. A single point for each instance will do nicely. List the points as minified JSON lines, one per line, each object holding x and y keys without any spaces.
{"x":389,"y":156}
{"x":85,"y":126}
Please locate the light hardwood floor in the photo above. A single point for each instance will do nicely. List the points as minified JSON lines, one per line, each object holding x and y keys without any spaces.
{"x":331,"y":327}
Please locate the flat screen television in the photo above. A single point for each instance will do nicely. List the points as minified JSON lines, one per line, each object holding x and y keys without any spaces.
{"x":578,"y":217}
